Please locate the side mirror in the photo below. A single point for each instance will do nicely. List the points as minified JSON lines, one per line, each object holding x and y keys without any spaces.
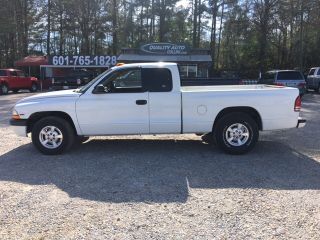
{"x":99,"y":89}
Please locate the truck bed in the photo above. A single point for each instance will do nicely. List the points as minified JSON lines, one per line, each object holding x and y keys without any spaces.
{"x":275,"y":105}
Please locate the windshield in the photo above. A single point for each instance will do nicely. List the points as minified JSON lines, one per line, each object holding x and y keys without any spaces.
{"x":93,"y":81}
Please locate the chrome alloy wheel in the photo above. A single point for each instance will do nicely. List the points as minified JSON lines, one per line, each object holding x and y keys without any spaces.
{"x":51,"y":137}
{"x":237,"y":135}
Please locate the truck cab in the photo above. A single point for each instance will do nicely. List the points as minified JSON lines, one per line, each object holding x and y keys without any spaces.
{"x":313,"y":79}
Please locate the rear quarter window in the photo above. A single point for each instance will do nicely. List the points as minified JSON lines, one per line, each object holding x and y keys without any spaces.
{"x":157,"y":79}
{"x":290,"y":76}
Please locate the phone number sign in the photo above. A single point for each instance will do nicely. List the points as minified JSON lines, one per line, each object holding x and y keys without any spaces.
{"x":83,"y":60}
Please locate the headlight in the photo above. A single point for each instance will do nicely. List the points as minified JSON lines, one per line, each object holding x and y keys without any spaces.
{"x":15,"y":115}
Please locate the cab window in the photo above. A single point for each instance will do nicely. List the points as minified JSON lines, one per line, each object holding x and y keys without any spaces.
{"x":13,"y":74}
{"x":157,"y":79}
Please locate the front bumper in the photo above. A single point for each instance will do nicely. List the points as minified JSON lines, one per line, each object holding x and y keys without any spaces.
{"x":19,"y":127}
{"x":301,"y":123}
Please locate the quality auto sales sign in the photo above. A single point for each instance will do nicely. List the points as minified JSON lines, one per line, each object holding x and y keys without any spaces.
{"x":165,"y":49}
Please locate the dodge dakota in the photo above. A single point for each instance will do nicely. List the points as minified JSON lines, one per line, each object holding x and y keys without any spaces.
{"x":147,"y":98}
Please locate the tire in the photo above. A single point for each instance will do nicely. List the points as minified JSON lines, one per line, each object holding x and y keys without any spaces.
{"x":4,"y":89}
{"x":34,"y":87}
{"x":15,"y":90}
{"x":48,"y":129}
{"x":236,"y":133}
{"x":208,"y":138}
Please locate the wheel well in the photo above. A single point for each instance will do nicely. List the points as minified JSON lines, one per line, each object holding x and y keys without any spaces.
{"x":39,"y":115}
{"x":248,"y":110}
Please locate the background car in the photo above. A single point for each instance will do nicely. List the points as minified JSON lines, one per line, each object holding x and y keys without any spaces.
{"x":14,"y":80}
{"x":313,"y":79}
{"x":288,"y":78}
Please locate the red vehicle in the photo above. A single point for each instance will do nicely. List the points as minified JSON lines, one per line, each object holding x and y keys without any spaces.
{"x":14,"y":80}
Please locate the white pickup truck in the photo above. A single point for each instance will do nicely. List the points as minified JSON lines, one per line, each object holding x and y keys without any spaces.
{"x":146,"y":98}
{"x":313,"y":79}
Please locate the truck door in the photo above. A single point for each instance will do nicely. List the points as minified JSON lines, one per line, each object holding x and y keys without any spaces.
{"x":164,"y":102}
{"x":310,"y":79}
{"x":23,"y":80}
{"x":13,"y":80}
{"x":121,"y":108}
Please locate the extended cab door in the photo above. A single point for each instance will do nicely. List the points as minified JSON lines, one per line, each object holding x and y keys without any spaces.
{"x":164,"y":100}
{"x":121,"y":107}
{"x":23,"y":80}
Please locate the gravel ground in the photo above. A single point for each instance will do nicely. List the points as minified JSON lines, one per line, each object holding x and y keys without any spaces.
{"x":165,"y":187}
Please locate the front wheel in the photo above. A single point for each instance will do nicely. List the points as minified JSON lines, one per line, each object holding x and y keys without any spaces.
{"x":236,"y":133}
{"x":52,"y":135}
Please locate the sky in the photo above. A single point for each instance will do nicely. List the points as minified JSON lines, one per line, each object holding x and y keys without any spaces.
{"x":183,"y":3}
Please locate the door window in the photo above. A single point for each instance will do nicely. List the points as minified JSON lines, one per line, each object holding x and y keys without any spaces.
{"x":13,"y":74}
{"x":124,"y":81}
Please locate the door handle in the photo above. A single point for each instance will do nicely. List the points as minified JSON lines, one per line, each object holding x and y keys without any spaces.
{"x":141,"y":102}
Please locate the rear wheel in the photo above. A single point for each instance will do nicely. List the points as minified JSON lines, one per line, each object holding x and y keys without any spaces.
{"x":15,"y":90}
{"x":34,"y":87}
{"x":236,"y":133}
{"x":4,"y":89}
{"x":52,"y":135}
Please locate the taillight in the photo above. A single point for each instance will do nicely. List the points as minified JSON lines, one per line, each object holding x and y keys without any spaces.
{"x":280,"y":84}
{"x":297,"y":104}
